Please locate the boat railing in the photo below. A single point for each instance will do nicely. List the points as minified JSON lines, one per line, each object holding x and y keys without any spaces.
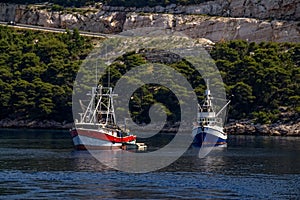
{"x":211,"y":121}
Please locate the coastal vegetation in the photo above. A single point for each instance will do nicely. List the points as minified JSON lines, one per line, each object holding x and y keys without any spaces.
{"x":263,"y":78}
{"x":260,"y":79}
{"x":37,"y":73}
{"x":38,"y":70}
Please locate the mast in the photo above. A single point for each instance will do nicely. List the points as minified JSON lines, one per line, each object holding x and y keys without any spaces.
{"x":100,"y":109}
{"x":207,"y":112}
{"x":96,"y":73}
{"x":207,"y":105}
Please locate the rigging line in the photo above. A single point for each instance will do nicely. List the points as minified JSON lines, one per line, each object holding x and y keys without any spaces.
{"x":96,"y":72}
{"x":108,"y":81}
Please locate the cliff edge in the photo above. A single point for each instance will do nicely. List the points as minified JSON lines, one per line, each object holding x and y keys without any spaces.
{"x":217,"y":20}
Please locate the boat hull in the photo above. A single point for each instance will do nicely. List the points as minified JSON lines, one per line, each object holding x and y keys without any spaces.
{"x":209,"y":136}
{"x":98,"y":140}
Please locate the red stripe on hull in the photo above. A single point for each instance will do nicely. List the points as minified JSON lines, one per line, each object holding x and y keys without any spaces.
{"x":103,"y":136}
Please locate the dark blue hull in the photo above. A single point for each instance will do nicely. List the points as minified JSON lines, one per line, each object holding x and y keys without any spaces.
{"x":204,"y":139}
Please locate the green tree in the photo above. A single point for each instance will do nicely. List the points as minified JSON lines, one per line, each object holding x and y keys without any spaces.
{"x":242,"y":100}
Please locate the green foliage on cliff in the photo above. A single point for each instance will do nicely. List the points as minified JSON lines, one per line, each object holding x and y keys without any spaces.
{"x":37,"y":73}
{"x":261,"y":77}
{"x":149,"y":94}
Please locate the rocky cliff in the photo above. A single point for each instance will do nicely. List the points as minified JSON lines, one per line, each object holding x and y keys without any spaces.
{"x":218,"y":28}
{"x":259,"y":9}
{"x":227,"y":20}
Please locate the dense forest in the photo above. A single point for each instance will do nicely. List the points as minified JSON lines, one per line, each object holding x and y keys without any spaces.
{"x":260,"y":79}
{"x":38,"y":70}
{"x":37,"y":73}
{"x":126,"y":3}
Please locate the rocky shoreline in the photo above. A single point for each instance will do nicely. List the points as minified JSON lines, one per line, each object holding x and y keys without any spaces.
{"x":34,"y":124}
{"x":288,"y":124}
{"x":276,"y":129}
{"x":241,"y":127}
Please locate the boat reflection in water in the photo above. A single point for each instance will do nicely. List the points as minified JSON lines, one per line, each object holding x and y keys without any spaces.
{"x":111,"y":160}
{"x":85,"y":160}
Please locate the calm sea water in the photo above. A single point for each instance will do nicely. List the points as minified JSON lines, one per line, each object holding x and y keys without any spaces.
{"x":41,"y":164}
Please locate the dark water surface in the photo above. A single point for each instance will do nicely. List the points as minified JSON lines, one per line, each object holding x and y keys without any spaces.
{"x":41,"y":164}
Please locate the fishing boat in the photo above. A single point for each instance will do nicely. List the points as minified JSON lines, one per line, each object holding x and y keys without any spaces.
{"x":97,"y":128}
{"x":209,"y":130}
